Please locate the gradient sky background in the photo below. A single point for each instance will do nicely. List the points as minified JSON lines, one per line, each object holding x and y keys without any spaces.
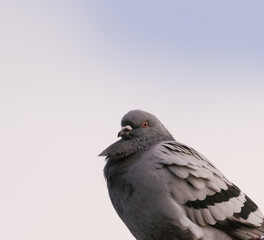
{"x":71,"y":69}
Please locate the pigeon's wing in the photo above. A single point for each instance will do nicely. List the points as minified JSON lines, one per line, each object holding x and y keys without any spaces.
{"x":207,"y":196}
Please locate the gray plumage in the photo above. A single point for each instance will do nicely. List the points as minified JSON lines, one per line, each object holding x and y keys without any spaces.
{"x":165,"y":190}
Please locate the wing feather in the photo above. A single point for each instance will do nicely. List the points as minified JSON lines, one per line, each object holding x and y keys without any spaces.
{"x":207,"y":196}
{"x":208,"y":216}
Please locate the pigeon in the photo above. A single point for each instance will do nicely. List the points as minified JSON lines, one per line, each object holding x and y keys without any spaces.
{"x":165,"y":190}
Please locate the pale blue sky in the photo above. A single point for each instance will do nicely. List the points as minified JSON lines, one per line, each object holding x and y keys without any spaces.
{"x":71,"y":69}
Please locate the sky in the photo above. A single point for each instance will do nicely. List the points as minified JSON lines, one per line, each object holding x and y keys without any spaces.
{"x":71,"y":69}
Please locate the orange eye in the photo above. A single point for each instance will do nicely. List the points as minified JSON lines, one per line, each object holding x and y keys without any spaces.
{"x":145,"y":124}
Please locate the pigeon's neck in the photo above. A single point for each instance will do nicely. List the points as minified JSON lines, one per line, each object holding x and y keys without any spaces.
{"x":123,"y":153}
{"x":124,"y":148}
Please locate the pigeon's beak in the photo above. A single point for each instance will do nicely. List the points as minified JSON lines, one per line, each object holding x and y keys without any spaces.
{"x":124,"y":131}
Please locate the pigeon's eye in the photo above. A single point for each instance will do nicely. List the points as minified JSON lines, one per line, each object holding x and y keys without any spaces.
{"x":145,"y":124}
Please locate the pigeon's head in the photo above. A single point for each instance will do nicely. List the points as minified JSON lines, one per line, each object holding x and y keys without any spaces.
{"x":137,"y":124}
